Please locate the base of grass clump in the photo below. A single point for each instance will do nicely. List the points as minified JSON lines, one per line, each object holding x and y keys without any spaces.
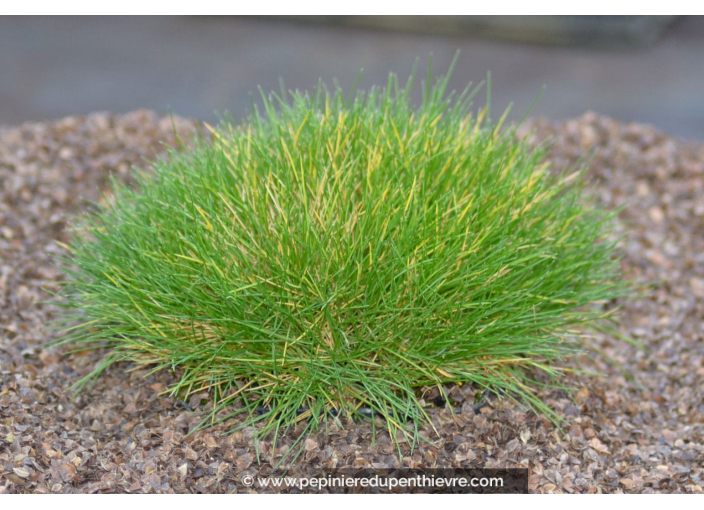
{"x":336,"y":254}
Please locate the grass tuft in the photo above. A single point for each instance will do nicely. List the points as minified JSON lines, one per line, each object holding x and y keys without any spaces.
{"x":332,"y":255}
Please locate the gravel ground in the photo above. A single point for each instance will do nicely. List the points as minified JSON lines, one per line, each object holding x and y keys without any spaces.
{"x":637,"y":427}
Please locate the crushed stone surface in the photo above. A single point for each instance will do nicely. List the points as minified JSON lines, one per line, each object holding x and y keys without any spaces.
{"x":635,"y":423}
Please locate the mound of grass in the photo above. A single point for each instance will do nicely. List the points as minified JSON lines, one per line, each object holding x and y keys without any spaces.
{"x":337,"y":253}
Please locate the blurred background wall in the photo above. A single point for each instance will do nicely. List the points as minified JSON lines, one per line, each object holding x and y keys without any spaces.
{"x":633,"y":68}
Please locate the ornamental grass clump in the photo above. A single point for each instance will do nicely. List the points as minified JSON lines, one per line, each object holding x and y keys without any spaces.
{"x":333,"y":256}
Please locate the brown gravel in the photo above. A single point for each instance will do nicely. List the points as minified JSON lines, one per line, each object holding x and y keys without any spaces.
{"x":637,"y":428}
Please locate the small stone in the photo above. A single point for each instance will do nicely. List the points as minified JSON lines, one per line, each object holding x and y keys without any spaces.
{"x":627,"y":483}
{"x":548,"y":487}
{"x":572,"y":411}
{"x":656,"y":215}
{"x":525,"y":435}
{"x":21,"y":472}
{"x":697,"y":286}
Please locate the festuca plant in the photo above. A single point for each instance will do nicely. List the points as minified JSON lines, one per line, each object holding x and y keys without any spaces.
{"x":333,"y":254}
